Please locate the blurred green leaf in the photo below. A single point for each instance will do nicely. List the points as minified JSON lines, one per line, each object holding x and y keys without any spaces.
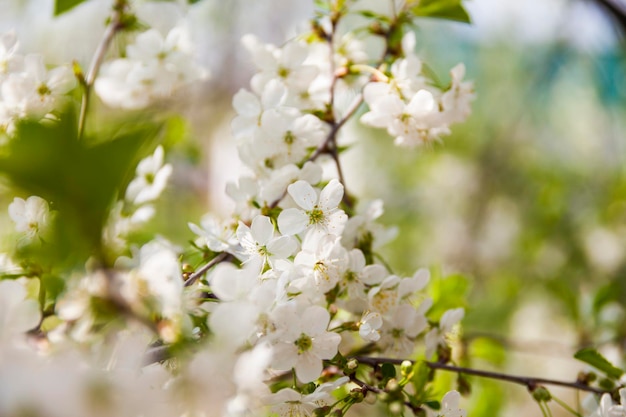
{"x":62,"y":6}
{"x":605,"y":295}
{"x":447,"y":293}
{"x":79,"y":180}
{"x":442,"y":9}
{"x":52,"y":286}
{"x":592,"y":357}
{"x":421,"y":376}
{"x":488,"y":349}
{"x":388,"y":370}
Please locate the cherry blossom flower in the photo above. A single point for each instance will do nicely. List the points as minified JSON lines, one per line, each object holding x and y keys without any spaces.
{"x":436,"y":335}
{"x":289,"y":403}
{"x":274,"y":188}
{"x":359,"y":276}
{"x":369,"y":326}
{"x":151,"y":179}
{"x":31,"y":216}
{"x":154,"y":68}
{"x":288,"y":138}
{"x":450,"y":405}
{"x":10,"y":60}
{"x":457,"y":100}
{"x":18,"y":313}
{"x":319,"y":213}
{"x":303,"y":341}
{"x":400,"y":331}
{"x":282,"y":64}
{"x":258,"y":241}
{"x":250,"y":107}
{"x":324,"y":259}
{"x":217,"y":235}
{"x":35,"y":91}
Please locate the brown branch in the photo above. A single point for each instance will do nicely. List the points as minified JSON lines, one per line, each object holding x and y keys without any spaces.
{"x":224,"y":256}
{"x":529,"y":382}
{"x":114,"y":26}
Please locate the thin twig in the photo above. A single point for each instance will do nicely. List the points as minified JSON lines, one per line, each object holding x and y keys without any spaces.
{"x":529,"y":382}
{"x":365,"y":386}
{"x":194,"y":277}
{"x":114,"y":26}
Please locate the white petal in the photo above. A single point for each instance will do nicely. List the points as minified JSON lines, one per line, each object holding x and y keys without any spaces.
{"x":292,"y":221}
{"x":282,"y":247}
{"x":308,"y":368}
{"x":421,"y":104}
{"x":303,"y":194}
{"x":246,"y":104}
{"x":274,"y":94}
{"x":325,"y":345}
{"x":262,"y":229}
{"x":331,"y":195}
{"x":314,"y":320}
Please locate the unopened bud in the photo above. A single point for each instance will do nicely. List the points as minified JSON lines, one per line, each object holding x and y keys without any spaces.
{"x":357,"y":395}
{"x":586,"y":377}
{"x":396,"y":407}
{"x":541,"y":394}
{"x":406,"y":367}
{"x":392,"y":385}
{"x":352,"y":364}
{"x":321,"y":412}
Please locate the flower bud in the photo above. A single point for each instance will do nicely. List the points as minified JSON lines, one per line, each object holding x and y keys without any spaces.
{"x":352,"y":364}
{"x":396,"y":407}
{"x":406,"y":367}
{"x":392,"y":385}
{"x":541,"y":394}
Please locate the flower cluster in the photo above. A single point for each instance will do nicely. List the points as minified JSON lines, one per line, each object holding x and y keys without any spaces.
{"x":412,"y":110}
{"x":290,"y":290}
{"x":27,"y":88}
{"x":153,"y":68}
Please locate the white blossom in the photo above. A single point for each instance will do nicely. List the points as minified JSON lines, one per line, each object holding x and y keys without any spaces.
{"x":304,"y":342}
{"x":35,"y":91}
{"x":319,"y":213}
{"x":31,"y":216}
{"x":154,"y":68}
{"x":151,"y":179}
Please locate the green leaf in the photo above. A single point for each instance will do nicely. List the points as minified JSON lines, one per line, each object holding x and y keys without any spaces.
{"x":62,"y":6}
{"x":80,"y":179}
{"x":442,"y":9}
{"x":447,"y":293}
{"x":592,"y":357}
{"x":421,"y":376}
{"x":388,"y":370}
{"x":488,"y":349}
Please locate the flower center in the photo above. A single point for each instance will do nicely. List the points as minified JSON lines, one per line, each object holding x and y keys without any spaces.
{"x":43,"y":90}
{"x":316,"y":216}
{"x":303,"y":343}
{"x":397,"y":333}
{"x":283,"y":72}
{"x":289,"y":137}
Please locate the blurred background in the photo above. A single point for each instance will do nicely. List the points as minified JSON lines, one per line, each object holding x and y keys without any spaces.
{"x":523,"y":208}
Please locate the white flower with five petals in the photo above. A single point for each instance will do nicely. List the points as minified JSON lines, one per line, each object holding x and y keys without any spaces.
{"x":303,"y":341}
{"x":318,"y":213}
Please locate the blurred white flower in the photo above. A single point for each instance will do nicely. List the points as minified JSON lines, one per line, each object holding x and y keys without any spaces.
{"x":154,"y":68}
{"x":35,"y":91}
{"x":151,"y":179}
{"x":18,"y":313}
{"x":31,"y":216}
{"x":10,"y":61}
